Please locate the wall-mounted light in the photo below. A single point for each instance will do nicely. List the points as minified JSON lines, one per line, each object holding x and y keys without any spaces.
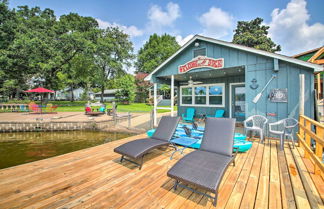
{"x":197,"y":44}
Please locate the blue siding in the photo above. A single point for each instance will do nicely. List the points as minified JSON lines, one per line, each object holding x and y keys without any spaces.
{"x":258,"y":67}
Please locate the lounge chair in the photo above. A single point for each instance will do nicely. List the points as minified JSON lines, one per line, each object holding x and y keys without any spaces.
{"x":189,"y":116}
{"x":204,"y":168}
{"x":218,"y":114}
{"x":137,"y":149}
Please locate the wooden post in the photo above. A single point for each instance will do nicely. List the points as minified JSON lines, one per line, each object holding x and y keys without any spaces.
{"x":301,"y":94}
{"x":155,"y":105}
{"x":301,"y":130}
{"x":172,"y":94}
{"x":319,"y":149}
{"x":308,"y":126}
{"x":318,"y":76}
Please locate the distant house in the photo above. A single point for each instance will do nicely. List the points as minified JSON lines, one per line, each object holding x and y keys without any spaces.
{"x":315,"y":56}
{"x":109,"y":95}
{"x":66,"y":94}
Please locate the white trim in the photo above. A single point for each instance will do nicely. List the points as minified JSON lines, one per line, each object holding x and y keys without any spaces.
{"x":230,"y":98}
{"x":172,"y":95}
{"x":155,"y":105}
{"x":163,"y":108}
{"x":207,"y":95}
{"x":317,"y":68}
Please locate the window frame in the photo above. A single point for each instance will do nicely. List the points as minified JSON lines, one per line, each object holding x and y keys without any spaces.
{"x":207,"y":95}
{"x":193,"y":52}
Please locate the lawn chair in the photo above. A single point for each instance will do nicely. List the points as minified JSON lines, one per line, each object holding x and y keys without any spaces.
{"x":284,"y":128}
{"x":23,"y":108}
{"x":34,"y":108}
{"x":256,"y":123}
{"x":218,"y":114}
{"x":205,"y":168}
{"x":189,"y":116}
{"x":49,"y":108}
{"x":137,"y":149}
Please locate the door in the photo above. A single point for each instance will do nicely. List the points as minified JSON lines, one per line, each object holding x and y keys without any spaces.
{"x":238,"y":102}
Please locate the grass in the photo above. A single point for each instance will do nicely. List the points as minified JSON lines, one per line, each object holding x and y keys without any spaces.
{"x":134,"y":107}
{"x":79,"y":106}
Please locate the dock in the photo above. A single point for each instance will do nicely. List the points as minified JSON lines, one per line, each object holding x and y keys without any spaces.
{"x":264,"y":177}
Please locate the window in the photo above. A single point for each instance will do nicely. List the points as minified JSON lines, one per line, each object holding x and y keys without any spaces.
{"x":199,"y":52}
{"x":215,"y":95}
{"x":186,"y":97}
{"x":200,"y":95}
{"x":203,"y":95}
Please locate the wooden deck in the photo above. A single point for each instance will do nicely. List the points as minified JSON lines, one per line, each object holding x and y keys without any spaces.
{"x":93,"y":178}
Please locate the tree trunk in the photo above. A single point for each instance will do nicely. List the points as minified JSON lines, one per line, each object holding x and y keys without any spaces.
{"x":102,"y":93}
{"x":72,"y":94}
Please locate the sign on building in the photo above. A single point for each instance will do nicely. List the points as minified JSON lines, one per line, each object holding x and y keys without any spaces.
{"x":278,"y":95}
{"x":200,"y":62}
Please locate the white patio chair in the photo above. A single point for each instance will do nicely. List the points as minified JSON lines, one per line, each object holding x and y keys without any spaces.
{"x":284,"y":128}
{"x":256,"y":123}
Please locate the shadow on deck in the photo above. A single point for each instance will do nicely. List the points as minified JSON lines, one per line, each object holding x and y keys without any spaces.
{"x":264,"y":177}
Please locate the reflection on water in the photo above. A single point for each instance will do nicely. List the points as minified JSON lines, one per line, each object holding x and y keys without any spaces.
{"x":22,"y":147}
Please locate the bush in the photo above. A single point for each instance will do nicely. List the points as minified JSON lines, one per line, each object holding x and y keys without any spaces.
{"x":126,"y":89}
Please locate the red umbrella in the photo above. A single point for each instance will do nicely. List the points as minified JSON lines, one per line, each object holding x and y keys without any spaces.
{"x":40,"y":90}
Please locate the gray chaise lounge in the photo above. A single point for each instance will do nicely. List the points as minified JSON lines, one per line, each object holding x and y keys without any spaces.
{"x":204,"y":168}
{"x":138,"y":148}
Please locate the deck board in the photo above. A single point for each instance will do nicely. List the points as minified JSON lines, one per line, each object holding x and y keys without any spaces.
{"x":264,"y":177}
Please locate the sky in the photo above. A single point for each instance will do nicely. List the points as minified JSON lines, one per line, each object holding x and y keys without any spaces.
{"x":297,"y":25}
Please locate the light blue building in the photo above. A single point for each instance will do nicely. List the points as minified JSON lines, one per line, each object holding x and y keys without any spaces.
{"x":211,"y":74}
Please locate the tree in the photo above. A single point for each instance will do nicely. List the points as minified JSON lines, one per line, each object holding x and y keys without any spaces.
{"x":126,"y":88}
{"x":78,"y":73}
{"x":113,"y":52}
{"x":155,"y":51}
{"x":42,"y":46}
{"x":165,"y":89}
{"x":254,"y":34}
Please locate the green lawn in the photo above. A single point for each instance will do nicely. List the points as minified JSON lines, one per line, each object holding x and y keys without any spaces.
{"x":79,"y":106}
{"x":134,"y":107}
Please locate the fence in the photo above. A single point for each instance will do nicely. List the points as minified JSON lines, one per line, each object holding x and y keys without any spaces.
{"x":311,"y":137}
{"x":13,"y":107}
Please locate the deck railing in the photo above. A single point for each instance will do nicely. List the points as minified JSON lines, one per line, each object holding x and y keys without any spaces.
{"x":311,"y":137}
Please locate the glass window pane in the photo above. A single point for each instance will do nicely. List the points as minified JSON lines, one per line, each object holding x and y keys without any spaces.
{"x":200,"y":90}
{"x":215,"y":90}
{"x":200,"y":100}
{"x":186,"y":91}
{"x":215,"y":100}
{"x":200,"y":52}
{"x":186,"y":100}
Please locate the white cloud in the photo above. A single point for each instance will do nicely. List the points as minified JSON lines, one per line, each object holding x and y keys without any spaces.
{"x":216,"y":23}
{"x":182,"y":40}
{"x":132,"y":30}
{"x":290,"y":28}
{"x":159,"y":18}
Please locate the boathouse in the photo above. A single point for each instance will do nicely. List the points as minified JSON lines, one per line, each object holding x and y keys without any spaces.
{"x":211,"y":74}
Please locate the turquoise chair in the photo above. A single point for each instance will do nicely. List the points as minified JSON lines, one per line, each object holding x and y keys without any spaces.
{"x":102,"y":109}
{"x":218,"y":114}
{"x":189,"y":115}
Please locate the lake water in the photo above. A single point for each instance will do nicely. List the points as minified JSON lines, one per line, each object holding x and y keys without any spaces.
{"x":23,"y":147}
